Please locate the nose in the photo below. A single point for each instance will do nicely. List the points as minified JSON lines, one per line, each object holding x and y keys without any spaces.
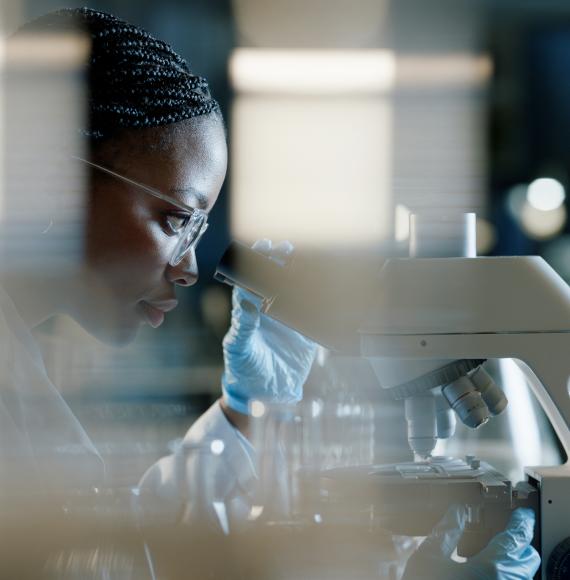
{"x":185,"y":273}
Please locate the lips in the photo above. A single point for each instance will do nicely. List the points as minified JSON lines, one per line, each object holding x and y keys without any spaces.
{"x":153,"y":312}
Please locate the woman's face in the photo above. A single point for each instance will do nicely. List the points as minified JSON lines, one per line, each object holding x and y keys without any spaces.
{"x":128,"y":280}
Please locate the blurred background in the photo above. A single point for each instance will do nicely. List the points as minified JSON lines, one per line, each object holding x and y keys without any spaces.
{"x":343,"y":117}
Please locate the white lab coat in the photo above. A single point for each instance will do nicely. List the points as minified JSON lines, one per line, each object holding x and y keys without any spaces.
{"x":211,"y":477}
{"x":42,"y":445}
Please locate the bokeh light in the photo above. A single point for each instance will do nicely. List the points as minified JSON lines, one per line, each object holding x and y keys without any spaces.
{"x":541,"y":225}
{"x":217,"y":446}
{"x":546,"y":194}
{"x":257,"y":409}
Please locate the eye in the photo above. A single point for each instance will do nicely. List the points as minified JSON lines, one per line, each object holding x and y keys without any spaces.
{"x":176,"y":222}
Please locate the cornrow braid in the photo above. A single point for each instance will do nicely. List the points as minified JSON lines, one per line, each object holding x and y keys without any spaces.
{"x":135,"y":80}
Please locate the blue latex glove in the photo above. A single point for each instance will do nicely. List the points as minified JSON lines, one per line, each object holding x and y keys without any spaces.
{"x":508,"y":556}
{"x":264,"y":360}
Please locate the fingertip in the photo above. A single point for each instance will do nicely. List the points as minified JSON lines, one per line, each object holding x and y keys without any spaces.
{"x":246,"y":300}
{"x":523,"y":514}
{"x":522,"y":521}
{"x":263,"y":246}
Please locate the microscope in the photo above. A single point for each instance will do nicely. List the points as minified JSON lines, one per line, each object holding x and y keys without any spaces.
{"x":444,"y":316}
{"x":429,"y":322}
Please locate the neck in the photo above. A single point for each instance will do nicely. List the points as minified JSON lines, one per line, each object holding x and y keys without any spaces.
{"x":37,"y":297}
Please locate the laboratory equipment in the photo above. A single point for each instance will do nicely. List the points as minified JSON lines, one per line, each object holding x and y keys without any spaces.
{"x":427,"y":324}
{"x":409,"y":498}
{"x":471,"y":309}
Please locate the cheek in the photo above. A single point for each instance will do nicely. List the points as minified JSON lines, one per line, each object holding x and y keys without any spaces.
{"x":147,"y":251}
{"x":131,"y":252}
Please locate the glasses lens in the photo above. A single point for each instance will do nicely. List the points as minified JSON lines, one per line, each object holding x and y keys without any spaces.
{"x":190,"y":237}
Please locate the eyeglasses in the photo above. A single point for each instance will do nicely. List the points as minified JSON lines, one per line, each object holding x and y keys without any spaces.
{"x":191,"y":231}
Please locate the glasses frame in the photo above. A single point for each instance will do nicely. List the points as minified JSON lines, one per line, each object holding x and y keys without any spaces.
{"x":197,"y":216}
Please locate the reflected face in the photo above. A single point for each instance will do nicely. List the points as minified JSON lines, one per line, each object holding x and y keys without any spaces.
{"x":131,"y":235}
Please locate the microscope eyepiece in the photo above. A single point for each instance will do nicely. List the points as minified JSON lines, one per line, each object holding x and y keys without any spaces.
{"x":464,"y":398}
{"x":493,"y":396}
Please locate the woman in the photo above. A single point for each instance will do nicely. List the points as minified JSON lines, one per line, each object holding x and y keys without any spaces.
{"x":156,"y":159}
{"x":155,"y":155}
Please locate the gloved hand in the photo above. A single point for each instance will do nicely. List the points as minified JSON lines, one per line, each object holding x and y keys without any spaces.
{"x":264,"y":360}
{"x":508,"y":556}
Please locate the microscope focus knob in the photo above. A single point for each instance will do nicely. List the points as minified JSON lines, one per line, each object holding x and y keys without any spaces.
{"x":558,"y":567}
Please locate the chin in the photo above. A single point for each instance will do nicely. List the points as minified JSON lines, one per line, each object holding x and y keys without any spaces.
{"x":118,"y":333}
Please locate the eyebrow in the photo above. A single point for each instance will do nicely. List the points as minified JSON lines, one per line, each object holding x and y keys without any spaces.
{"x":202,"y":198}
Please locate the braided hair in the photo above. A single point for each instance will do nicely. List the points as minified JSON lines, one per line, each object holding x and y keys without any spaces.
{"x":134,"y":80}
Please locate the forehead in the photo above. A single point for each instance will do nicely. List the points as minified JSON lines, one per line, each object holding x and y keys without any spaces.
{"x":185,"y":161}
